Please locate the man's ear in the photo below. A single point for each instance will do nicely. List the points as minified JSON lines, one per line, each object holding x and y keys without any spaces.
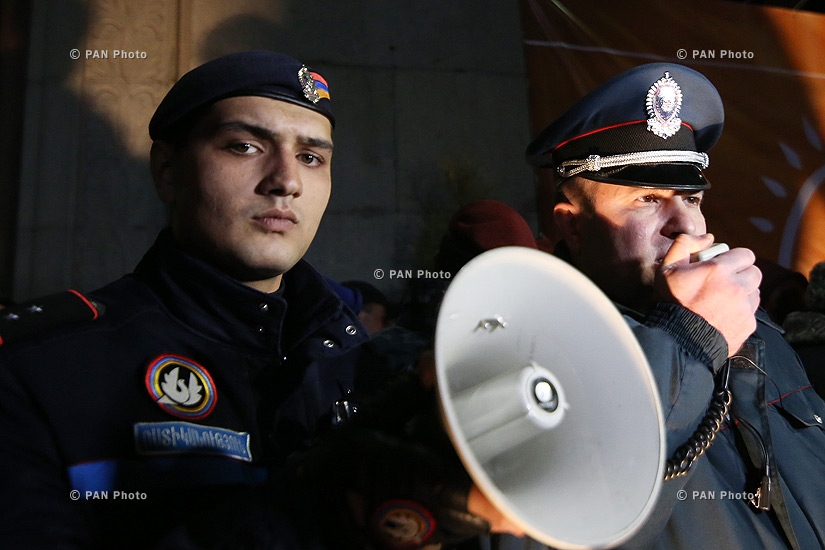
{"x":160,"y":163}
{"x":567,"y":217}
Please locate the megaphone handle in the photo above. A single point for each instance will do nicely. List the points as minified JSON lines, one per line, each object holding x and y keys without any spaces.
{"x":689,"y":452}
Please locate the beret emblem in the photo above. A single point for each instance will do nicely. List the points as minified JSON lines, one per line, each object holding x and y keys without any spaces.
{"x":308,"y":85}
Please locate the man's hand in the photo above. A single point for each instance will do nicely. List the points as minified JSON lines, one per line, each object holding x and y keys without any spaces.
{"x":723,"y":290}
{"x":480,"y":505}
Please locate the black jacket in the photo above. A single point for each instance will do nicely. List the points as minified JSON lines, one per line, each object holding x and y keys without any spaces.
{"x":167,"y":422}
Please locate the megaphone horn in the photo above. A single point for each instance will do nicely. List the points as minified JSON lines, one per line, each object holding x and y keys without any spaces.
{"x":549,"y":400}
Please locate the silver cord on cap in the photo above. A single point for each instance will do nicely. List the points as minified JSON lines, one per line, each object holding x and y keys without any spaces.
{"x":594,"y":163}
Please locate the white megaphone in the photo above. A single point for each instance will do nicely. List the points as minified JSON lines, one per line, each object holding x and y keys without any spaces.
{"x":549,"y":400}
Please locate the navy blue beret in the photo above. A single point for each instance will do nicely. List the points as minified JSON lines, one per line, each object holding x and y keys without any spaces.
{"x":650,"y":126}
{"x":252,"y":73}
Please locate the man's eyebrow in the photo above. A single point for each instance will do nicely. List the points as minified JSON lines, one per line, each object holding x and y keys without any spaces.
{"x":317,"y":143}
{"x":262,"y":132}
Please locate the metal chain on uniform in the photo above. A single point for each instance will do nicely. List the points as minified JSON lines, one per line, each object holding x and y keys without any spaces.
{"x":594,"y":163}
{"x":689,"y":452}
{"x":761,"y":498}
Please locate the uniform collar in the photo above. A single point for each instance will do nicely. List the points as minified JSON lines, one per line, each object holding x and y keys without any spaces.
{"x":219,"y":307}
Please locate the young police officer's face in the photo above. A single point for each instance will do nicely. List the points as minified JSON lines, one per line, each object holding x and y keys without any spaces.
{"x":621,"y":243}
{"x":248,"y":189}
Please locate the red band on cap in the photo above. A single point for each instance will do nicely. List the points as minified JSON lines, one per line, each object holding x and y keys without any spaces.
{"x":591,"y":132}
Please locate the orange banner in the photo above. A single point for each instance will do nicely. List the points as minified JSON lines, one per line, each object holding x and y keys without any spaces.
{"x":768,"y":169}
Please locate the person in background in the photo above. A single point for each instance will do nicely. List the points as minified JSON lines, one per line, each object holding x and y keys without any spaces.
{"x":781,"y":291}
{"x":805,"y":328}
{"x":480,"y":226}
{"x":374,"y":311}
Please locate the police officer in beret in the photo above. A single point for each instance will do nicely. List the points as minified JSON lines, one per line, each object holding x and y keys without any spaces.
{"x":171,"y":416}
{"x":746,"y":444}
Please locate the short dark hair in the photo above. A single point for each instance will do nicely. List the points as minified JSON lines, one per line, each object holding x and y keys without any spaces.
{"x":573,"y":190}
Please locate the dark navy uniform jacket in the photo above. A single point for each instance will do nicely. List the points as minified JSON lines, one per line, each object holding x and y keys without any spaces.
{"x":775,"y":417}
{"x":166,"y":422}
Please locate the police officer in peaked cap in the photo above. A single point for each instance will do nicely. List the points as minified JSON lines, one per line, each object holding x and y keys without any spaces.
{"x":745,"y":440}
